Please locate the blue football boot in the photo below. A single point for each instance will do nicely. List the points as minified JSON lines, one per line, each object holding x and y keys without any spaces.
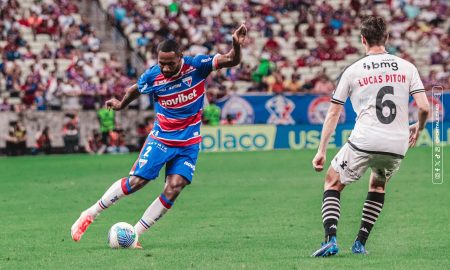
{"x":329,"y":248}
{"x":358,"y":248}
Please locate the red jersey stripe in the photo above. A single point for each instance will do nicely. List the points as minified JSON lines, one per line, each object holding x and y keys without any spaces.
{"x":171,"y":124}
{"x":179,"y":143}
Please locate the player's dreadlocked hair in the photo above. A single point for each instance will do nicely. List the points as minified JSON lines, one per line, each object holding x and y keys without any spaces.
{"x":373,"y":29}
{"x":169,"y":45}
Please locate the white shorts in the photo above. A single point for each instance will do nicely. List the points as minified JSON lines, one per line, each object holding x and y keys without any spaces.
{"x":352,"y":163}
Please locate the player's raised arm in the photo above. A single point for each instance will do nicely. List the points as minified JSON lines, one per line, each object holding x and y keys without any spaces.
{"x":233,"y":57}
{"x":130,"y":94}
{"x":329,"y":126}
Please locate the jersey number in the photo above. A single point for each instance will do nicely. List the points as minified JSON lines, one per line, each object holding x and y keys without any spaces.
{"x":380,"y":105}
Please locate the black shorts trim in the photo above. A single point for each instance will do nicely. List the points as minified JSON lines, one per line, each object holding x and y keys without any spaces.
{"x":375,"y":152}
{"x":337,"y":101}
{"x":416,"y":91}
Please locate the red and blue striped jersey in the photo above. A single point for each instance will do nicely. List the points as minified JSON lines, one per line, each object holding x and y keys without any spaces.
{"x":179,"y":100}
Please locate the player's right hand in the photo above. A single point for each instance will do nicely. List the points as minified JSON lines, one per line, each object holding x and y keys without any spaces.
{"x":114,"y":104}
{"x":319,"y":161}
{"x":413,"y":134}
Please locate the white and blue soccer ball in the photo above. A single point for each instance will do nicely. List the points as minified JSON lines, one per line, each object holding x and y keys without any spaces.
{"x":122,"y":235}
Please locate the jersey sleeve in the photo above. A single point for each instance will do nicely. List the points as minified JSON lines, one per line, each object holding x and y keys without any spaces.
{"x":205,"y":64}
{"x":145,"y":82}
{"x":342,"y":90}
{"x":416,"y":83}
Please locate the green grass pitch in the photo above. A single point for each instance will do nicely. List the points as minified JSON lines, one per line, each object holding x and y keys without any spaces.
{"x":254,"y":210}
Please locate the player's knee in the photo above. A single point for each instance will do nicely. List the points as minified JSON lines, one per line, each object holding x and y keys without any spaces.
{"x":332,"y":181}
{"x":173,"y":187}
{"x":377,"y":186}
{"x":136,"y":182}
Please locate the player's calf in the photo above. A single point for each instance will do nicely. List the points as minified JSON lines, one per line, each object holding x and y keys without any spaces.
{"x":371,"y":210}
{"x":162,"y":204}
{"x":119,"y":189}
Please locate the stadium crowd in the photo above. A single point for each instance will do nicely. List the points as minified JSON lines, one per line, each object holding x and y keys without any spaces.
{"x":52,"y":58}
{"x":297,"y":46}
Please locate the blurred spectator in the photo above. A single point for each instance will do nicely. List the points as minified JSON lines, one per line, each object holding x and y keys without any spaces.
{"x":211,"y":114}
{"x":71,"y":134}
{"x":95,"y":144}
{"x":5,"y":106}
{"x":43,"y":142}
{"x":106,"y":119}
{"x":70,"y":93}
{"x":228,"y":121}
{"x":323,"y":86}
{"x":142,"y":135}
{"x":294,"y":84}
{"x":16,"y":139}
{"x":117,"y":142}
{"x":54,"y":93}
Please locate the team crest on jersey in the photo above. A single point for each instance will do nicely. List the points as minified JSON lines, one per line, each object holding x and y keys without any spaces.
{"x":188,"y":81}
{"x":280,"y":109}
{"x":318,"y":108}
{"x":142,"y":162}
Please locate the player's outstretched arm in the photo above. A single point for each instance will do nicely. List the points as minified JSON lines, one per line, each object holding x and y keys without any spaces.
{"x":233,"y":57}
{"x":424,"y":110}
{"x":130,"y":94}
{"x":329,"y":126}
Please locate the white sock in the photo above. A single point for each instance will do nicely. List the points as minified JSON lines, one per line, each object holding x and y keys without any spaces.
{"x":117,"y":190}
{"x":153,"y":213}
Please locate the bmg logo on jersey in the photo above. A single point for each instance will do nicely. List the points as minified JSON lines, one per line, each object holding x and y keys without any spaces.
{"x":373,"y":65}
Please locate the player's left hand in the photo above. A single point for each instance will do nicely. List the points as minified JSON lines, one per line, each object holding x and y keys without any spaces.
{"x":240,"y":34}
{"x":319,"y":161}
{"x":413,"y":134}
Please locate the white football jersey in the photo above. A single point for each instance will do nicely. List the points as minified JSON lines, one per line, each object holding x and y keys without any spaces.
{"x":379,"y":86}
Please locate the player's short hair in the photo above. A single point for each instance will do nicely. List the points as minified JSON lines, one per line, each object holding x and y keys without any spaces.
{"x":373,"y":29}
{"x":169,"y":45}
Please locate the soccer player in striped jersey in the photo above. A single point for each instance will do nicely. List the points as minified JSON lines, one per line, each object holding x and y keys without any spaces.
{"x":177,"y":83}
{"x":379,"y":86}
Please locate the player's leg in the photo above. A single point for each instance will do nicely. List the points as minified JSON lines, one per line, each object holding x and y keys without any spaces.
{"x":346,"y":167}
{"x":179,"y":171}
{"x":381,"y":173}
{"x":159,"y":207}
{"x":146,"y":168}
{"x":331,"y":211}
{"x":118,"y":189}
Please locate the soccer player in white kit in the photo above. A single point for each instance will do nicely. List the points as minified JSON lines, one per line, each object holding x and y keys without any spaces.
{"x":379,"y":86}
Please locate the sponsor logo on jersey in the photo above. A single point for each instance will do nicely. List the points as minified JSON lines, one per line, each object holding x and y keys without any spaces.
{"x":206,"y":60}
{"x":239,"y":109}
{"x":179,"y":99}
{"x":383,"y":64}
{"x":178,"y":85}
{"x":318,"y":108}
{"x":187,"y":163}
{"x":280,"y":109}
{"x":343,"y":164}
{"x":188,"y":81}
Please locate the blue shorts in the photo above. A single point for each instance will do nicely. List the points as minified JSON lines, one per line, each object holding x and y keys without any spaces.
{"x":154,"y":154}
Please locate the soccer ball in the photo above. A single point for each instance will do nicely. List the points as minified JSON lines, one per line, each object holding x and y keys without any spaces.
{"x":122,"y":235}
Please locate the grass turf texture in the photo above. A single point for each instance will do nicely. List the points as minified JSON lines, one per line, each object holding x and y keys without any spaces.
{"x":256,"y":210}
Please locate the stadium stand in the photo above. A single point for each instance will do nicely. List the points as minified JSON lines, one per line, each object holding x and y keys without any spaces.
{"x":312,"y":40}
